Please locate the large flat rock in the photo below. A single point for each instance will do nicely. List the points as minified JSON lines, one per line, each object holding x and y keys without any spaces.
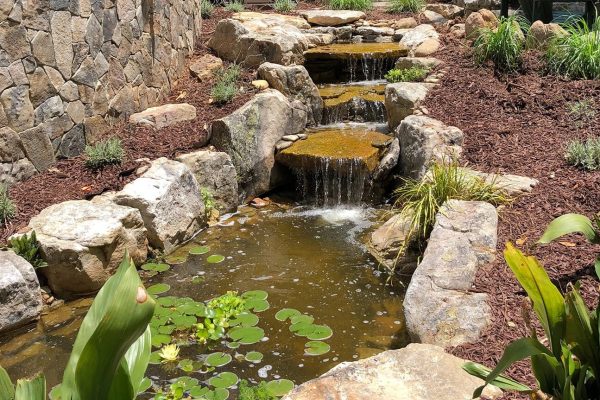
{"x":332,"y":17}
{"x":439,"y":307}
{"x":402,"y":99}
{"x":416,"y":372}
{"x":347,"y":51}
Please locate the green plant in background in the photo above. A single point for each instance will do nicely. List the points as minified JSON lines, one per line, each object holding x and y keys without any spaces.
{"x":206,"y":9}
{"x":208,"y":200}
{"x":358,"y":5}
{"x":111,"y":351}
{"x":420,"y":200}
{"x":412,"y":74}
{"x":7,"y":207}
{"x":219,"y":313}
{"x":225,"y":88}
{"x":284,"y":5}
{"x":401,"y":6}
{"x":503,"y":45}
{"x":257,"y":392}
{"x":104,"y":153}
{"x":565,"y":363}
{"x":28,"y":247}
{"x":582,"y":111}
{"x":235,"y":6}
{"x":576,"y":55}
{"x":585,"y":155}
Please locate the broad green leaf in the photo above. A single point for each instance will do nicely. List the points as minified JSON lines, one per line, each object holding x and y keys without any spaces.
{"x":246,"y":334}
{"x":217,"y":359}
{"x":286,"y":313}
{"x":255,"y":295}
{"x":223,"y":380}
{"x":254,"y":356}
{"x":316,"y":348}
{"x":581,"y":332}
{"x":159,"y":288}
{"x":156,"y":267}
{"x":7,"y":390}
{"x":570,"y":223}
{"x":516,"y":351}
{"x":302,"y":318}
{"x":244,"y":319}
{"x":320,"y":332}
{"x":547,"y":371}
{"x":501,"y":381}
{"x":198,"y":250}
{"x":280,"y":387}
{"x":548,"y":303}
{"x":118,"y":317}
{"x":31,"y":389}
{"x":215,"y":259}
{"x":137,"y":358}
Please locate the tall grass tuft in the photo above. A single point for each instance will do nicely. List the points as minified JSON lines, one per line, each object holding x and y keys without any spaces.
{"x":576,"y":55}
{"x":104,"y":153}
{"x":359,"y":5}
{"x":503,"y":46}
{"x":284,"y":5}
{"x":206,"y":9}
{"x":400,"y":6}
{"x":585,"y":155}
{"x":225,"y":88}
{"x":235,"y":6}
{"x":7,"y":207}
{"x":420,"y":200}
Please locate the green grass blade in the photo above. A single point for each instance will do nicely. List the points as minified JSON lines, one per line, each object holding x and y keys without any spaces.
{"x":31,"y":389}
{"x":501,"y":381}
{"x":570,"y":223}
{"x":7,"y":390}
{"x":582,"y":331}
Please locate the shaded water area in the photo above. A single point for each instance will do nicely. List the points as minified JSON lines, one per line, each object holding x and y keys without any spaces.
{"x":309,"y":259}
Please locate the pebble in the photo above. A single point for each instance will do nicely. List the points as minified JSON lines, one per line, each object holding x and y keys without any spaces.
{"x":290,"y":138}
{"x":282,"y":145}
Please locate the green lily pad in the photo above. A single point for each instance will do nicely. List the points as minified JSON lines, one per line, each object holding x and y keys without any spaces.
{"x":155,"y":357}
{"x":218,"y":359}
{"x":316,"y":348}
{"x":158,"y":288}
{"x":223,"y":380}
{"x":233,"y":345}
{"x":257,"y":305}
{"x":320,"y":332}
{"x":254,"y":356}
{"x":176,"y":260}
{"x":166,"y":301}
{"x":198,"y":250}
{"x":193,"y":308}
{"x":246,"y":334}
{"x":159,"y":340}
{"x":199,"y":391}
{"x":302,"y":318}
{"x":156,"y":267}
{"x":183,"y":322}
{"x":286,"y":313}
{"x":255,"y":295}
{"x":166,"y":329}
{"x":280,"y":387}
{"x":302,"y":328}
{"x":215,"y":259}
{"x":217,"y":394}
{"x":245,"y":319}
{"x":186,"y":365}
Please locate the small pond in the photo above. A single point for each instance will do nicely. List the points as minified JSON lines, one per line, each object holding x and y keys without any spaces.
{"x":308,"y":259}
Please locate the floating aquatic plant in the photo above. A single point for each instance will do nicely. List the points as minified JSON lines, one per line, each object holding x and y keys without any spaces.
{"x":169,"y":353}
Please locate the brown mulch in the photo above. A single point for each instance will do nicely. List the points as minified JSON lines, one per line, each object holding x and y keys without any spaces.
{"x":519,"y":124}
{"x":71,"y":180}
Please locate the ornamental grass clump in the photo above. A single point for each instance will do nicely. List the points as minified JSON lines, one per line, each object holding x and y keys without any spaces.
{"x":503,"y":46}
{"x":577,"y":54}
{"x":284,"y":5}
{"x":584,"y":154}
{"x":400,"y":6}
{"x":225,"y":88}
{"x":104,"y":153}
{"x":359,"y":5}
{"x":235,"y":6}
{"x":7,"y":207}
{"x":206,"y":9}
{"x":412,"y":74}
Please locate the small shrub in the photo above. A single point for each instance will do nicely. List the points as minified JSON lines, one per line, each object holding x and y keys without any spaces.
{"x":585,"y":155}
{"x":104,"y":153}
{"x":359,"y":5}
{"x":413,"y":74}
{"x":258,"y":392}
{"x":284,"y":5}
{"x":28,"y":247}
{"x":225,"y":88}
{"x":206,"y":9}
{"x":7,"y":207}
{"x":582,"y":112}
{"x":576,"y":55}
{"x":503,"y":46}
{"x":235,"y":6}
{"x":400,"y":6}
{"x":208,"y":200}
{"x":232,"y":73}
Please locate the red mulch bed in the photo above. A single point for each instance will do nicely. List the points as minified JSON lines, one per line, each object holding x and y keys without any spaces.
{"x":519,"y":124}
{"x":71,"y":180}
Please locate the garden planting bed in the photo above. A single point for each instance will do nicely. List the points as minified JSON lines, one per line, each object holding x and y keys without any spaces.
{"x":520,"y":124}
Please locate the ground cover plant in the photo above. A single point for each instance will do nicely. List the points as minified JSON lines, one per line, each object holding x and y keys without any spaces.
{"x":584,"y":154}
{"x":28,"y":247}
{"x":412,"y":74}
{"x":401,"y":6}
{"x":206,"y":9}
{"x":284,"y":5}
{"x":103,"y":153}
{"x":359,"y":5}
{"x":582,"y":112}
{"x":225,"y":88}
{"x":576,"y":55}
{"x":234,"y":6}
{"x":7,"y":207}
{"x":503,"y":46}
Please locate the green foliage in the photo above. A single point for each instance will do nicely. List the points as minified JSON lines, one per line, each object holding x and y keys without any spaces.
{"x":257,"y":392}
{"x":566,"y":363}
{"x":104,"y":153}
{"x":284,"y":5}
{"x":419,"y":201}
{"x":225,"y":88}
{"x":503,"y":46}
{"x":585,"y":155}
{"x":235,"y":6}
{"x":112,"y":348}
{"x":28,"y":247}
{"x":402,"y":6}
{"x":582,"y":112}
{"x":412,"y":74}
{"x":208,"y":200}
{"x":358,"y":5}
{"x":576,"y":55}
{"x":7,"y":207}
{"x":206,"y":9}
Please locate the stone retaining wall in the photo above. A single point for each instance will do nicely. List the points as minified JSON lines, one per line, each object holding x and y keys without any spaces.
{"x":70,"y":68}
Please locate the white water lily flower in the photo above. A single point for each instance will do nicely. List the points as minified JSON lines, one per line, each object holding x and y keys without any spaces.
{"x":169,"y":353}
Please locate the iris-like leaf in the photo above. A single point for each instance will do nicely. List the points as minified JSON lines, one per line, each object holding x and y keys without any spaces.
{"x":7,"y":390}
{"x":31,"y":389}
{"x":570,"y":223}
{"x":501,"y":381}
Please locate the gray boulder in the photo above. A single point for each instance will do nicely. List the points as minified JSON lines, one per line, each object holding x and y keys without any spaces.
{"x":419,"y":39}
{"x":423,"y":141}
{"x":389,"y":239}
{"x":249,"y":136}
{"x":83,"y":242}
{"x":332,"y":17}
{"x":402,"y":99}
{"x":295,"y":83}
{"x":416,"y":372}
{"x":388,"y":161}
{"x":168,"y":198}
{"x":215,"y":172}
{"x":20,"y":298}
{"x":439,"y":307}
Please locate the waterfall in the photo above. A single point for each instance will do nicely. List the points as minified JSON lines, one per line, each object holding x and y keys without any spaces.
{"x":357,"y":110}
{"x":368,"y":68}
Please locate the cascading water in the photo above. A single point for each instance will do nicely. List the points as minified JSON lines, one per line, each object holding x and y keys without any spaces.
{"x":357,"y":109}
{"x":368,"y":67}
